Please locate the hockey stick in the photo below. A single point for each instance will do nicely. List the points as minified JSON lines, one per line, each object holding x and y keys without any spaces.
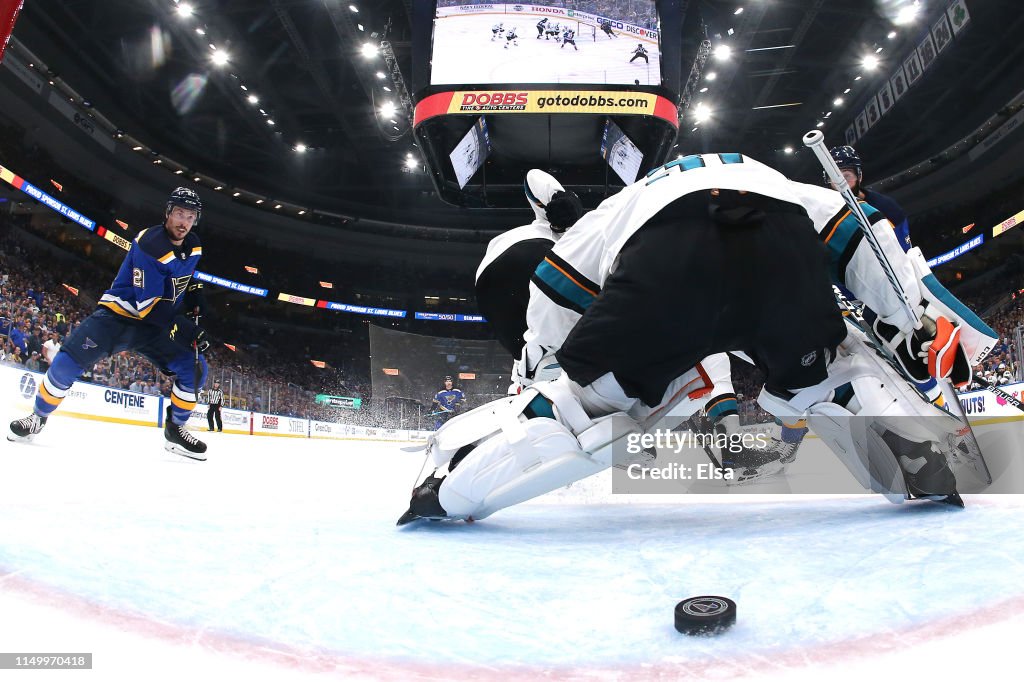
{"x":815,"y":141}
{"x":197,"y":369}
{"x":1008,"y":397}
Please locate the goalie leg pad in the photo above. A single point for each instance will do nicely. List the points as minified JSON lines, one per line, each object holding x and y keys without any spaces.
{"x":501,"y":472}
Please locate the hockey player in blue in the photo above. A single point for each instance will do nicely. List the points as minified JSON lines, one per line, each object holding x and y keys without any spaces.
{"x":447,"y":401}
{"x":849,"y":162}
{"x":142,"y":311}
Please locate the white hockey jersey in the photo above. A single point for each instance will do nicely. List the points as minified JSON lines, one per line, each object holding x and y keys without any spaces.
{"x":583,"y":259}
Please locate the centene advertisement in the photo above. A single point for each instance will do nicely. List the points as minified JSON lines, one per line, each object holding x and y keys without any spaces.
{"x":561,"y":41}
{"x":612,"y":102}
{"x":276,"y":425}
{"x":19,"y":387}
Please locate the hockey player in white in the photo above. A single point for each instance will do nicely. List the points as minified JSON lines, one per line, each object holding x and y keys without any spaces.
{"x":645,"y":286}
{"x":511,"y":37}
{"x":496,"y":30}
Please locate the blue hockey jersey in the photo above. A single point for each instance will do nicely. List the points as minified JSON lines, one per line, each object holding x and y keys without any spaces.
{"x":448,"y":400}
{"x":153,"y":277}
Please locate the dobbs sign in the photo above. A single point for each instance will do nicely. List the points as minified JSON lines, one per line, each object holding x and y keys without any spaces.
{"x":619,"y":102}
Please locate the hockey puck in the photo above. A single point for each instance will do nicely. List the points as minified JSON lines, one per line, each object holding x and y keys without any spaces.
{"x":705,"y":615}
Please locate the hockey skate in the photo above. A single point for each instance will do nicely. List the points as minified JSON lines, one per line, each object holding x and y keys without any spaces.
{"x":425,"y":503}
{"x":22,"y":430}
{"x":180,"y":440}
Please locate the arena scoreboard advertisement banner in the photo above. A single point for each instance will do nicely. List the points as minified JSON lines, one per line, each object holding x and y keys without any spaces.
{"x":611,"y":102}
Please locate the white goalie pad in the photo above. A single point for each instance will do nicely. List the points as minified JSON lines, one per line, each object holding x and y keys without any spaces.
{"x":501,"y":472}
{"x":883,"y":402}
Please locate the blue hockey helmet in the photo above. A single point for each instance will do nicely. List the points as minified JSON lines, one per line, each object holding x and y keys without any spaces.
{"x":186,"y":198}
{"x":846,"y":157}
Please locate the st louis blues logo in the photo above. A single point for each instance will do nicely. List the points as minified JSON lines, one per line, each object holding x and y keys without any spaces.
{"x":27,"y":386}
{"x":89,"y":343}
{"x":180,"y":284}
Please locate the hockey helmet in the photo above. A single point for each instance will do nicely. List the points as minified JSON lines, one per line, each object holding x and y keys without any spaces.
{"x":846,"y":157}
{"x":186,"y":198}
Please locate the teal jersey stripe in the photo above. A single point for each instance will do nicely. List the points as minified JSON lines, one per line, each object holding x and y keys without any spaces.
{"x":564,"y":286}
{"x":722,"y":406}
{"x":951,"y":301}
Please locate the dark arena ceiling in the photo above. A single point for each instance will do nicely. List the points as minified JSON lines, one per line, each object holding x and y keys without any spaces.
{"x":149,"y":70}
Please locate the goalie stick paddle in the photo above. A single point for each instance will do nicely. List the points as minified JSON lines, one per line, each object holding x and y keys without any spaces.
{"x":815,"y":141}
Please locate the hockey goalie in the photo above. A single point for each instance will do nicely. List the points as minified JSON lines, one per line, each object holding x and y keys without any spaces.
{"x":666,"y":273}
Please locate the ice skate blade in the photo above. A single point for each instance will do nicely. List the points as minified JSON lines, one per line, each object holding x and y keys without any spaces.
{"x":14,"y":438}
{"x":408,"y":517}
{"x":198,"y":456}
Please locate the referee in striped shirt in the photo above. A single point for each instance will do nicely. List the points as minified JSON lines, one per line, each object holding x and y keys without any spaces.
{"x":214,"y":397}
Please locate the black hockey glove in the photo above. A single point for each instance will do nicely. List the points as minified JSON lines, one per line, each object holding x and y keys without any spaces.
{"x":564,"y":209}
{"x":185,"y":332}
{"x":195,"y":299}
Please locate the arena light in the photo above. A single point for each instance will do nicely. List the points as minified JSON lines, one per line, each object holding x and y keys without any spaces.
{"x":907,"y":14}
{"x":220,"y":58}
{"x":369,"y":50}
{"x":200,"y":31}
{"x":381,"y":75}
{"x":270,"y":121}
{"x":411,"y":163}
{"x":354,"y":8}
{"x":788,"y":150}
{"x":184,"y":10}
{"x":739,"y":11}
{"x":870,"y":63}
{"x":821,"y":124}
{"x":722,"y":52}
{"x":702,"y":112}
{"x":301,"y":148}
{"x":711,"y":76}
{"x":388,"y":109}
{"x":892,"y":35}
{"x":837,"y":102}
{"x":252,"y":99}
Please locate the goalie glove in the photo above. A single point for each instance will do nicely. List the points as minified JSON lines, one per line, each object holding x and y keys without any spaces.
{"x":932,"y":351}
{"x":535,"y":363}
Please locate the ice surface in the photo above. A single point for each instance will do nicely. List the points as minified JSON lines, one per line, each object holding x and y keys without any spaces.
{"x":279,"y":558}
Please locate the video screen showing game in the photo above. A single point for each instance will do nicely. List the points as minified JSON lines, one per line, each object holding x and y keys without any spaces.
{"x":561,"y":41}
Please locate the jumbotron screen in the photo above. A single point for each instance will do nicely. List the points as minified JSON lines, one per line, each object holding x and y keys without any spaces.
{"x":560,"y":41}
